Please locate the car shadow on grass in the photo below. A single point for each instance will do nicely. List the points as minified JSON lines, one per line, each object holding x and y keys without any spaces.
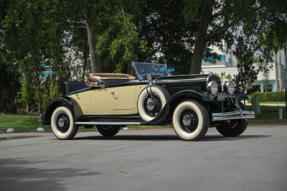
{"x":20,"y":174}
{"x":168,"y":138}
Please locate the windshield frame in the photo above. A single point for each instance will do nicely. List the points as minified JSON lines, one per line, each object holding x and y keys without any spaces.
{"x":141,"y":76}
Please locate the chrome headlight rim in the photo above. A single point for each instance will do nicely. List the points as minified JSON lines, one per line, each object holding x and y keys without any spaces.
{"x":212,"y":87}
{"x":229,"y":87}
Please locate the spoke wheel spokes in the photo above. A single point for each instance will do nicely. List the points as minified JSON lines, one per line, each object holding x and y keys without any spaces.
{"x":152,"y":105}
{"x":188,"y":120}
{"x":63,"y":122}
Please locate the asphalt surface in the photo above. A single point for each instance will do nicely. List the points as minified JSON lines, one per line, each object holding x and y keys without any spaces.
{"x":151,"y":160}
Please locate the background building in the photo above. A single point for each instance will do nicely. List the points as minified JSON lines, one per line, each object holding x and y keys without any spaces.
{"x":228,"y":64}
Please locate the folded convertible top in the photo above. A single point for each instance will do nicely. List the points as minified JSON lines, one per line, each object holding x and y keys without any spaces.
{"x":95,"y":78}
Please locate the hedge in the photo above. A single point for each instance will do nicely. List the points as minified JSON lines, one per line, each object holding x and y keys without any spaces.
{"x":268,"y":96}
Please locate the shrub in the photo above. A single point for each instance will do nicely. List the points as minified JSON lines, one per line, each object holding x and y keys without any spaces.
{"x":268,"y":96}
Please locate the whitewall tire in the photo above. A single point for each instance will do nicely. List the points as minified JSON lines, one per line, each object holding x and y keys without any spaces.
{"x":190,"y":120}
{"x":151,"y":101}
{"x":62,"y":123}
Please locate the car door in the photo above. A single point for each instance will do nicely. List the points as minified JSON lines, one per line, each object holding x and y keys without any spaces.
{"x":123,"y":98}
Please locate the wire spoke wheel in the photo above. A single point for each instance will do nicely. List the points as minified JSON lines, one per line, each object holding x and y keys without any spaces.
{"x":152,"y":105}
{"x":63,"y":122}
{"x":151,"y":101}
{"x":188,"y":120}
{"x":234,"y":128}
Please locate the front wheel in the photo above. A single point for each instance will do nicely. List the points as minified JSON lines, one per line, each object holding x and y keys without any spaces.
{"x":108,"y":131}
{"x":234,"y":128}
{"x":62,"y":123}
{"x":190,"y":120}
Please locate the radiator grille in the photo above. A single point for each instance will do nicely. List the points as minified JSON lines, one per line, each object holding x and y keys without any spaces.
{"x":174,"y":89}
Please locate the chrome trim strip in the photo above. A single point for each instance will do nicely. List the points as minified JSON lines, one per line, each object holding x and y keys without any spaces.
{"x":108,"y":123}
{"x":241,"y":114}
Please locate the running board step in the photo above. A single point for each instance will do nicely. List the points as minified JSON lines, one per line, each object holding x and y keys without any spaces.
{"x":108,"y":123}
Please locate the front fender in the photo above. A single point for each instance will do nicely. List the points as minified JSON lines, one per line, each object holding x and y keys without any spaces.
{"x":240,"y":96}
{"x":163,"y":115}
{"x":56,"y":102}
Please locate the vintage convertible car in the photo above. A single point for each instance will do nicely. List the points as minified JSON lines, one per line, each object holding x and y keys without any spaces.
{"x":192,"y":103}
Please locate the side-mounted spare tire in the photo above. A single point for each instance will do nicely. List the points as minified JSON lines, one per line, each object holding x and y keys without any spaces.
{"x":151,"y":101}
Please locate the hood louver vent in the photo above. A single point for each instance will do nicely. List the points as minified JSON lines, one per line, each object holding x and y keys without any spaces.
{"x":174,"y":89}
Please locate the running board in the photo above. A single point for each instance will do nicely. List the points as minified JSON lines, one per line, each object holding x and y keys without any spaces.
{"x":108,"y":123}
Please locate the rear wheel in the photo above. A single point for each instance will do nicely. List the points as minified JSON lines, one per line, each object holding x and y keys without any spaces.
{"x":62,"y":123}
{"x":108,"y":130}
{"x":190,"y":120}
{"x":234,"y":128}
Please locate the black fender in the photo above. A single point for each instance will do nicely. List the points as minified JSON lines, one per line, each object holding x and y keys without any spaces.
{"x":162,"y":117}
{"x":56,"y":102}
{"x":240,"y":96}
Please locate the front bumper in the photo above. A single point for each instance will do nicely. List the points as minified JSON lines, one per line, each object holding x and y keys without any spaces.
{"x":240,"y":114}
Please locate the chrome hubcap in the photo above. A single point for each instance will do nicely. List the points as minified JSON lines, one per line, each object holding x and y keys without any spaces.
{"x":61,"y":122}
{"x":150,"y":105}
{"x":186,"y":120}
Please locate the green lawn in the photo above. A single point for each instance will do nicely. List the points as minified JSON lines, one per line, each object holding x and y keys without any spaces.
{"x":279,"y":102}
{"x":29,"y":123}
{"x":267,"y":108}
{"x":268,"y":117}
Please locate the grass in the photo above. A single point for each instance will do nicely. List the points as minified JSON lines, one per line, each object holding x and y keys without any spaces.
{"x":29,"y":123}
{"x":267,"y":108}
{"x":268,"y":117}
{"x":278,"y":102}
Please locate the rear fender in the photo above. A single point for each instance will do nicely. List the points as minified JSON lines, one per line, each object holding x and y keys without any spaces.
{"x":54,"y":104}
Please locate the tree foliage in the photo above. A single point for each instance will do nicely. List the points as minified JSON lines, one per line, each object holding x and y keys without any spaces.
{"x":68,"y":37}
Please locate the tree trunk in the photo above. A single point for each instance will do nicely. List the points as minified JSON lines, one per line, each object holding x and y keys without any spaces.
{"x":280,"y":77}
{"x":285,"y":58}
{"x":200,"y":43}
{"x":95,"y":59}
{"x":85,"y":64}
{"x":276,"y":73}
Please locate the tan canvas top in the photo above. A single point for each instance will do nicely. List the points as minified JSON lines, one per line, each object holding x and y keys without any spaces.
{"x":91,"y":81}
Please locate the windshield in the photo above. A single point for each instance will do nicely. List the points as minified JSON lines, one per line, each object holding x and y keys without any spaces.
{"x":153,"y":69}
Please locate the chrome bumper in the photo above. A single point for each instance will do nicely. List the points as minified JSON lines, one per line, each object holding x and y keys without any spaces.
{"x":240,"y":114}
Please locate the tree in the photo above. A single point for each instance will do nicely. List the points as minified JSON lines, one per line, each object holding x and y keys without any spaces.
{"x":31,"y":40}
{"x":248,"y":66}
{"x":229,"y":20}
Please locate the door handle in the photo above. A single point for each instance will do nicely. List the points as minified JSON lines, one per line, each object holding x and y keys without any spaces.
{"x":113,"y":93}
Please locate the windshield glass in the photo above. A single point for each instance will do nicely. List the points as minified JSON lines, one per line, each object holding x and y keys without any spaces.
{"x":153,"y":69}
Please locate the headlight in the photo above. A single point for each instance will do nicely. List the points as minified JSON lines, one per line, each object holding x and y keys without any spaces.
{"x":212,"y":87}
{"x":229,"y":87}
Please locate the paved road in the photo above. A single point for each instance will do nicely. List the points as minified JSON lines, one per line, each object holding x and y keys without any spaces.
{"x":147,"y":160}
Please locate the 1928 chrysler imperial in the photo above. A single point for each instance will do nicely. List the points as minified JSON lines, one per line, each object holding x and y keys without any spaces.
{"x":192,"y":103}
